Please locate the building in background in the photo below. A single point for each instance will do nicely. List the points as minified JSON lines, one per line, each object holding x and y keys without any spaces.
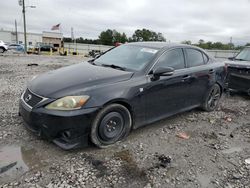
{"x":45,"y":37}
{"x":55,"y":39}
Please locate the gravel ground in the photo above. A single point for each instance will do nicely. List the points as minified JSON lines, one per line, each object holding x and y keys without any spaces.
{"x":212,"y":150}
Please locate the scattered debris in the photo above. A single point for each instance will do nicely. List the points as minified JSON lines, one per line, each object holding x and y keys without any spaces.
{"x":183,"y":135}
{"x":228,"y":118}
{"x":32,"y":64}
{"x":247,"y":161}
{"x":237,"y":176}
{"x":7,"y":167}
{"x":164,"y":160}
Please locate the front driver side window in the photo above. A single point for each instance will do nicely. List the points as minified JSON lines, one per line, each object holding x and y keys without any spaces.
{"x":173,"y":58}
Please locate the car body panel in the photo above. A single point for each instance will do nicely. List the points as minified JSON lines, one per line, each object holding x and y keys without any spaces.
{"x":3,"y":46}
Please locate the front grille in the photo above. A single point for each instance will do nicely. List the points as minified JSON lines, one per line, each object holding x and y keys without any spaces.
{"x":31,"y":99}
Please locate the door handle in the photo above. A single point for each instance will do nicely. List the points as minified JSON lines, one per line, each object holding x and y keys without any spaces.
{"x":185,"y":78}
{"x":211,"y":71}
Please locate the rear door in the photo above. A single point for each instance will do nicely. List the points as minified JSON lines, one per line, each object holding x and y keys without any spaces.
{"x":201,"y":73}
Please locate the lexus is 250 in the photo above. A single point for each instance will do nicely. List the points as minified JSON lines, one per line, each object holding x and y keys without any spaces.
{"x":132,"y":85}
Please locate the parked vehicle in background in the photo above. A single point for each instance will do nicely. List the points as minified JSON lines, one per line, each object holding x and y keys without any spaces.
{"x":16,"y":47}
{"x":125,"y":88}
{"x":45,"y":48}
{"x":3,"y":47}
{"x":238,"y":77}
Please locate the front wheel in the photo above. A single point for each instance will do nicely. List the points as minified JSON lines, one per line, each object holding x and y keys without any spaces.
{"x":2,"y":50}
{"x":212,"y":98}
{"x":111,"y":124}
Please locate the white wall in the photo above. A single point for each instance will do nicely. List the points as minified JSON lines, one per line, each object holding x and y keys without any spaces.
{"x":34,"y":38}
{"x":10,"y":37}
{"x":5,"y":36}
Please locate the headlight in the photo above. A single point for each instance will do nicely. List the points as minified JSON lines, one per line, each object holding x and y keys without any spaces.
{"x":68,"y":103}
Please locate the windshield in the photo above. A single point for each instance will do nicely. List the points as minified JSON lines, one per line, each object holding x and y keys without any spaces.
{"x":128,"y":57}
{"x":244,"y":55}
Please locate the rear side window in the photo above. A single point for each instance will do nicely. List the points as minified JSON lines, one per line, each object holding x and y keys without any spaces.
{"x":205,"y":57}
{"x":194,"y":58}
{"x":173,"y":58}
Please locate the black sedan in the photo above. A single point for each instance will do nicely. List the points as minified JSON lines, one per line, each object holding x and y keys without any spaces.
{"x":130,"y":86}
{"x":238,"y":77}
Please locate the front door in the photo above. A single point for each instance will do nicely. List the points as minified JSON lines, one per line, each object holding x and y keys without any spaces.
{"x":167,"y":95}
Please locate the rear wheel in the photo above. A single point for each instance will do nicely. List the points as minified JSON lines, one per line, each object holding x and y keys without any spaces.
{"x":212,"y":98}
{"x":111,"y":124}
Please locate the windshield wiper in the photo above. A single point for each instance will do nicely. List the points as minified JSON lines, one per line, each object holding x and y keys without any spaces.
{"x":240,"y":59}
{"x":92,"y":62}
{"x":114,"y":66}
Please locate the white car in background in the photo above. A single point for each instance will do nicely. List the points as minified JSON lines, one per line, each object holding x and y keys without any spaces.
{"x":3,"y":47}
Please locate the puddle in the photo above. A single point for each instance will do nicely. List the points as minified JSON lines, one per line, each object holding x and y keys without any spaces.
{"x":15,"y":161}
{"x":204,"y":180}
{"x":232,"y":150}
{"x":130,"y":169}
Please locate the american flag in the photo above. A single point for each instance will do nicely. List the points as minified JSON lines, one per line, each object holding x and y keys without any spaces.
{"x":55,"y":27}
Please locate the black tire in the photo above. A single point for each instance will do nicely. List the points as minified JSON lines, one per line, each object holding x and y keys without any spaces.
{"x":212,"y":98}
{"x":112,"y":124}
{"x":2,"y":50}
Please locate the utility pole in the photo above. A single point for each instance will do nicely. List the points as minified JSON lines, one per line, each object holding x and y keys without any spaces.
{"x":24,"y":28}
{"x":231,"y":42}
{"x":16,"y":32}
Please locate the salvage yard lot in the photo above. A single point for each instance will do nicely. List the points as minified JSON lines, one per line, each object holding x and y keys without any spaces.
{"x":212,"y":155}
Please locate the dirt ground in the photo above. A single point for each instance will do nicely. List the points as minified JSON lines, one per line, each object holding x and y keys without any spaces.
{"x":213,"y":152}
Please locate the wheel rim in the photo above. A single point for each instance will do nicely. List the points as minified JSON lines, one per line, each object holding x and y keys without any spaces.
{"x":1,"y":50}
{"x":111,"y":126}
{"x":214,"y":97}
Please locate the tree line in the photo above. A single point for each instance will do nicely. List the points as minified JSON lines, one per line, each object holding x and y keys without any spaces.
{"x":215,"y":45}
{"x":111,"y":37}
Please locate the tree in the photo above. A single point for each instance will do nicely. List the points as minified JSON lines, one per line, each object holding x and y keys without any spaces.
{"x":109,"y":37}
{"x":160,"y":37}
{"x":147,"y":35}
{"x":186,"y":42}
{"x":118,"y":37}
{"x":67,"y":39}
{"x":201,"y":41}
{"x":106,"y":37}
{"x":124,"y":38}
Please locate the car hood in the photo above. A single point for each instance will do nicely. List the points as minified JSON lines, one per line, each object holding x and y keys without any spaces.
{"x":239,"y":64}
{"x":75,"y":79}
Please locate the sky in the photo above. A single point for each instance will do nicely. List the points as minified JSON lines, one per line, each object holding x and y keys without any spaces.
{"x":178,"y":20}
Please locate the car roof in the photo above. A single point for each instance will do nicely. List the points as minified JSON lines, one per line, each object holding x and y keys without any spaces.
{"x":160,"y":45}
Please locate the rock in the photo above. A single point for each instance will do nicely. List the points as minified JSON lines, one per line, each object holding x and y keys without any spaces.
{"x":247,"y":161}
{"x":237,"y":176}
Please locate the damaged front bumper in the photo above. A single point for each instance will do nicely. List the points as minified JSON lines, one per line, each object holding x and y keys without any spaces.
{"x":67,"y":129}
{"x":238,"y":78}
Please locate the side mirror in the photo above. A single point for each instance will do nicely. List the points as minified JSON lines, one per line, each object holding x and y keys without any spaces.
{"x":231,"y":58}
{"x":163,"y":71}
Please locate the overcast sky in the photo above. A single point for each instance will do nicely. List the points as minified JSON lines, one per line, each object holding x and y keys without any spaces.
{"x":178,"y":20}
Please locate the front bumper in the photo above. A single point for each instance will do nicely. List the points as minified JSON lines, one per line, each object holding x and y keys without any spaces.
{"x":67,"y":129}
